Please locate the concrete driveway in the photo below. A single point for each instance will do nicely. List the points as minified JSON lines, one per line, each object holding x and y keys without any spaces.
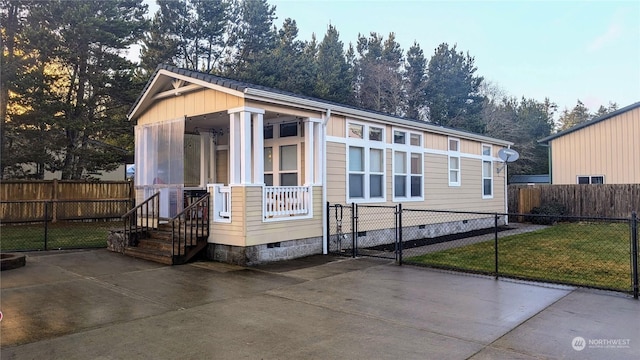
{"x":100,"y":305}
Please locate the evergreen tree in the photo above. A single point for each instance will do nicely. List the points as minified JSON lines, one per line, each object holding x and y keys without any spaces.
{"x":415,"y":80}
{"x":577,"y":115}
{"x":333,"y":81}
{"x":254,"y":37}
{"x":77,"y":91}
{"x":379,"y":74}
{"x":453,"y":90}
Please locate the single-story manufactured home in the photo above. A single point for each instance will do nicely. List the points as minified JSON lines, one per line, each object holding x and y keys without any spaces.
{"x":271,"y":160}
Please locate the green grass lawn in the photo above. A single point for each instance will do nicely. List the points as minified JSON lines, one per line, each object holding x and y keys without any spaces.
{"x":587,"y":254}
{"x":59,"y":235}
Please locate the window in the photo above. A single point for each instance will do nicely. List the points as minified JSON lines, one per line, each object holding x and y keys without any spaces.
{"x":415,"y":140}
{"x":289,"y":165}
{"x":408,"y":166}
{"x":591,"y":179}
{"x":356,"y":131}
{"x":400,"y":174}
{"x":366,"y":158}
{"x":487,"y":172}
{"x":281,"y":154}
{"x":268,"y":132}
{"x":289,"y":129}
{"x":375,"y":133}
{"x":268,"y":166}
{"x":454,"y":162}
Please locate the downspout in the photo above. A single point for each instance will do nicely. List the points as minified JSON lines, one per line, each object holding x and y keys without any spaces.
{"x":325,"y":235}
{"x":506,"y":191}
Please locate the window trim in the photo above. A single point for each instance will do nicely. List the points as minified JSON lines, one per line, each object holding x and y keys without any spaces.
{"x":409,"y":150}
{"x":367,"y":145}
{"x":454,"y":154}
{"x":487,"y":159}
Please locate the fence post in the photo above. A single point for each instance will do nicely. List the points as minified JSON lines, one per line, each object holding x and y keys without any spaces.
{"x":634,"y":252}
{"x":46,"y":223}
{"x":495,"y":228}
{"x":400,"y":243}
{"x":354,"y":230}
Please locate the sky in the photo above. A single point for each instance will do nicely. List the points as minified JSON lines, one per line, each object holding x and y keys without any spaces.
{"x":561,"y":50}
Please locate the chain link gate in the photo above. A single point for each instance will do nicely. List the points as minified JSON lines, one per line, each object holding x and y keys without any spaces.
{"x":364,"y":230}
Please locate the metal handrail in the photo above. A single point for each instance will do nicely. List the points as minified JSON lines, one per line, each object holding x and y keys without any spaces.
{"x":198,"y":226}
{"x":130,"y":218}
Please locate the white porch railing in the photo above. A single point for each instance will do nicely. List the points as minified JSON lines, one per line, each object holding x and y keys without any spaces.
{"x":286,"y":202}
{"x":221,"y":196}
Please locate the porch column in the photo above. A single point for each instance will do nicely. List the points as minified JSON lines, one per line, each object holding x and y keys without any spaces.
{"x":234,"y":148}
{"x":309,"y":160}
{"x":319,"y":155}
{"x":245,"y":147}
{"x":241,"y":143}
{"x":258,"y":149}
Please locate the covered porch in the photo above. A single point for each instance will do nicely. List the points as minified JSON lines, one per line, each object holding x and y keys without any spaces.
{"x":258,"y":167}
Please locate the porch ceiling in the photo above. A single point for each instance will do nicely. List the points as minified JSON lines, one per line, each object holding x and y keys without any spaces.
{"x":218,"y":119}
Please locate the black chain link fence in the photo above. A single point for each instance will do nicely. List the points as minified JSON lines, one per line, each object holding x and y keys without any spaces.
{"x":590,"y":252}
{"x":62,"y":224}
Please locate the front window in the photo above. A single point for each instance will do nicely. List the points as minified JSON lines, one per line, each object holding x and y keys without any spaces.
{"x":487,"y":172}
{"x":289,"y":165}
{"x":408,"y":166}
{"x":454,"y":162}
{"x":366,"y":162}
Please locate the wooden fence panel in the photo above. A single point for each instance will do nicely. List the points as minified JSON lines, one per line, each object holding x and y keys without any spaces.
{"x":614,"y":200}
{"x":24,"y":201}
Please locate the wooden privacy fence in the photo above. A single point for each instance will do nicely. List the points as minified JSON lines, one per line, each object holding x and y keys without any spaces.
{"x":614,"y":200}
{"x":24,"y":201}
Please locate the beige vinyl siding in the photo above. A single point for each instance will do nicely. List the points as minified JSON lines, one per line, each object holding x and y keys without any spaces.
{"x":337,"y":126}
{"x":336,"y":172}
{"x":610,"y":148}
{"x":435,"y":141}
{"x":259,"y":232}
{"x":198,"y":102}
{"x":233,"y":233}
{"x":248,"y":229}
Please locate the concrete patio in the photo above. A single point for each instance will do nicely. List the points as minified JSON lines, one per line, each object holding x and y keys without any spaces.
{"x":100,"y":305}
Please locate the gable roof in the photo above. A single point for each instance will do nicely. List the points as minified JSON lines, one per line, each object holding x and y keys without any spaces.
{"x":590,"y":122}
{"x":266,"y":94}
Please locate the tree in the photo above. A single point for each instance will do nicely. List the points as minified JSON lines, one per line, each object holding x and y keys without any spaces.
{"x":415,"y":82}
{"x":379,"y":74}
{"x":187,"y":33}
{"x":253,"y":37}
{"x":75,"y":95}
{"x":577,"y":115}
{"x":522,"y":122}
{"x":334,"y":76}
{"x":453,"y":90}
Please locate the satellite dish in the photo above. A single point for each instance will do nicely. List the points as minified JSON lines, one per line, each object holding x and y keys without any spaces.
{"x":508,"y":155}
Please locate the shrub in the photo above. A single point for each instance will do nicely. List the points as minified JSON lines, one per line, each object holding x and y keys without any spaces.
{"x":553,"y":212}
